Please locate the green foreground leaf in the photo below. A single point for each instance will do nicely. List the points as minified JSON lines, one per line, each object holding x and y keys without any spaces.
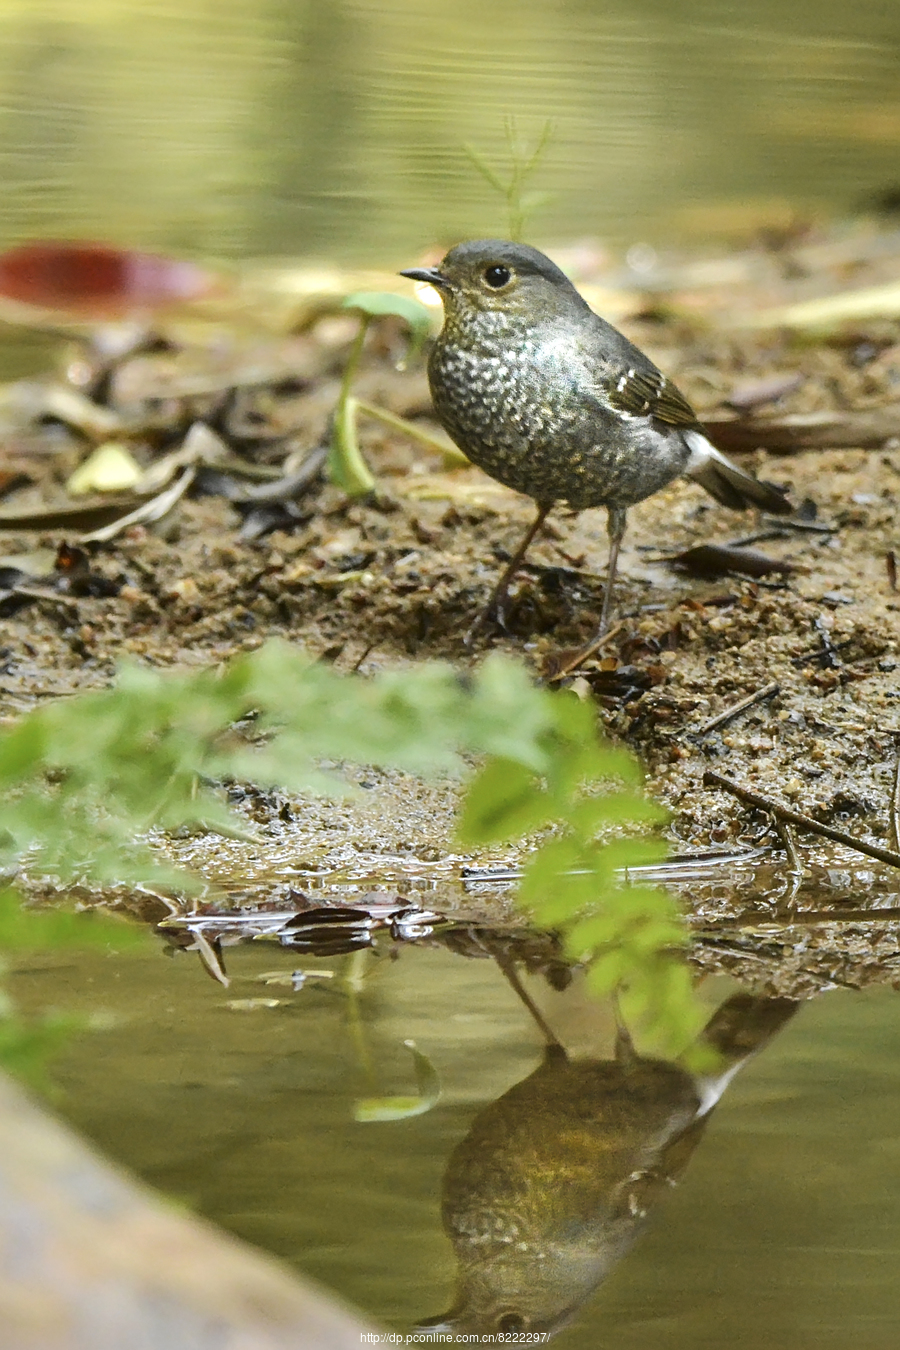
{"x":85,"y":782}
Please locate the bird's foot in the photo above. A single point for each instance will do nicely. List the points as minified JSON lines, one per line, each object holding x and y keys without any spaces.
{"x":491,"y":620}
{"x":496,"y":612}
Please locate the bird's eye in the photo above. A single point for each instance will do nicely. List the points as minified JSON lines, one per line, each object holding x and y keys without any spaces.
{"x":497,"y":276}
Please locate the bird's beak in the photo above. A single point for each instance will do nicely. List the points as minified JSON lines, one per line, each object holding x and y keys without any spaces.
{"x":430,"y":275}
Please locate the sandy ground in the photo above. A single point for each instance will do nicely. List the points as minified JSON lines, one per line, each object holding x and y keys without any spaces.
{"x":399,"y":577}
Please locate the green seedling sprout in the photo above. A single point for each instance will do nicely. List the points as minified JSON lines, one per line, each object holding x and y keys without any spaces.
{"x":369,"y":1109}
{"x":347,"y":467}
{"x":375,"y":1106}
{"x":523,"y":161}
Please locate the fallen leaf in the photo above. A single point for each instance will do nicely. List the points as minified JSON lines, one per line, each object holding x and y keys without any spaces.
{"x":147,"y":513}
{"x":98,"y":279}
{"x":716,"y":560}
{"x":829,"y":311}
{"x":755,"y":393}
{"x":111,"y":468}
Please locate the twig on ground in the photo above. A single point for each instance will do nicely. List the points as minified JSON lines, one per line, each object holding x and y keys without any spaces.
{"x":827,"y":652}
{"x":787,"y":524}
{"x":887,"y":915}
{"x":786,"y":836}
{"x":291,"y":485}
{"x":586,"y":652}
{"x":736,"y":709}
{"x":786,"y":813}
{"x":679,"y":867}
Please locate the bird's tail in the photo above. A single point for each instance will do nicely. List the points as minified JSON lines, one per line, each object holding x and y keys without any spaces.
{"x":727,"y":483}
{"x":737,"y":1031}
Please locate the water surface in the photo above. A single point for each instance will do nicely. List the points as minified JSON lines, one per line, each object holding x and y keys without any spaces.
{"x":338,"y":127}
{"x":781,"y":1233}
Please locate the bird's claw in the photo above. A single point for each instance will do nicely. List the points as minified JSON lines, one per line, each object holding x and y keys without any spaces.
{"x":493,"y":616}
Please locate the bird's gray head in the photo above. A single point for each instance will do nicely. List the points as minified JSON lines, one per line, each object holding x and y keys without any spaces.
{"x":486,"y":276}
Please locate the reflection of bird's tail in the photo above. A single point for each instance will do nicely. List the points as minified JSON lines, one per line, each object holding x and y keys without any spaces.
{"x":737,"y":1031}
{"x":726,"y":482}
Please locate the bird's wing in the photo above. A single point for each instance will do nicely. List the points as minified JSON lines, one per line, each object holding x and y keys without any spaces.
{"x":645,"y":392}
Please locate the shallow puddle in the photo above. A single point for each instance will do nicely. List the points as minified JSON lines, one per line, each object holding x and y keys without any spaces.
{"x":782,"y":1231}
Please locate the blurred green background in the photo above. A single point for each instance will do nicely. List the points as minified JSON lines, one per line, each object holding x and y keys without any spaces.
{"x":336,"y":127}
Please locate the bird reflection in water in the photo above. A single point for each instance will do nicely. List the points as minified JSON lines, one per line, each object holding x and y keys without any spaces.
{"x":555,"y":1180}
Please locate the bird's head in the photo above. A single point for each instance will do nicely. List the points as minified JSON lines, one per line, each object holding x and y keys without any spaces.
{"x":496,"y":277}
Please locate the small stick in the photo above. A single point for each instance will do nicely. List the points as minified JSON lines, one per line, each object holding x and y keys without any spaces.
{"x":794,"y":866}
{"x":807,"y":526}
{"x":830,"y":652}
{"x":782,"y":531}
{"x":890,"y":559}
{"x":786,"y":836}
{"x":737,"y":708}
{"x":886,"y":915}
{"x":676,"y":863}
{"x":782,"y":812}
{"x":290,"y":486}
{"x":895,"y":807}
{"x":370,"y":648}
{"x":760,"y":537}
{"x":586,"y":652}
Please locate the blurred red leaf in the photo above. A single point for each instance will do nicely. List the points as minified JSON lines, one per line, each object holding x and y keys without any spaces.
{"x":98,"y":278}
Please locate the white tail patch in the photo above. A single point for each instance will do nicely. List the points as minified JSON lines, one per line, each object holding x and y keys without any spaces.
{"x":702,"y":451}
{"x":711,"y":1086}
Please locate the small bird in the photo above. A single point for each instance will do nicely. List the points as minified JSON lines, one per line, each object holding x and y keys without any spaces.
{"x":554,"y":1182}
{"x":550,"y":399}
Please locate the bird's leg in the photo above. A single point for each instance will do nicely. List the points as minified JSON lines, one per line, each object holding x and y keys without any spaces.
{"x":552,"y":1042}
{"x":615,"y":525}
{"x":625,"y":1051}
{"x":495,"y":608}
{"x":615,"y":528}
